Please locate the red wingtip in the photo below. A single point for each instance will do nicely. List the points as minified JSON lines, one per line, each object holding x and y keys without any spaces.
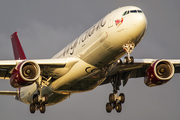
{"x":17,"y":48}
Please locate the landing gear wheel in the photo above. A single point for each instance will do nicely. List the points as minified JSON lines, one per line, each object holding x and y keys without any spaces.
{"x":35,"y":99}
{"x":132,"y":60}
{"x":126,"y":60}
{"x":46,"y":99}
{"x":118,"y":107}
{"x":111,"y":98}
{"x":108,"y":107}
{"x":42,"y":108}
{"x":32,"y":108}
{"x":121,"y":95}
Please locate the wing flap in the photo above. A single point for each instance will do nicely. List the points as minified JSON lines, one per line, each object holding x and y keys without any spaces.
{"x":6,"y":67}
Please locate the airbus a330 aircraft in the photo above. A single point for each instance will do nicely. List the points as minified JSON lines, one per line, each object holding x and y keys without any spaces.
{"x":91,"y":60}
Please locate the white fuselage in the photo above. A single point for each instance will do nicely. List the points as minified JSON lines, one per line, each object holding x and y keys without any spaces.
{"x":96,"y":49}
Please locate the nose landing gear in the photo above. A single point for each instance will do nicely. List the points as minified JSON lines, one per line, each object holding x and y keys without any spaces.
{"x":129,"y":49}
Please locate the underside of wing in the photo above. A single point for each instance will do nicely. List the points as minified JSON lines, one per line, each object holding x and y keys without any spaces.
{"x":155,"y":72}
{"x":6,"y":68}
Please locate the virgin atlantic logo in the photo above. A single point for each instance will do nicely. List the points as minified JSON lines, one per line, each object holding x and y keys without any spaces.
{"x":119,"y":22}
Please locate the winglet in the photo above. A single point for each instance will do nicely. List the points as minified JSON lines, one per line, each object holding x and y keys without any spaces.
{"x":17,"y":48}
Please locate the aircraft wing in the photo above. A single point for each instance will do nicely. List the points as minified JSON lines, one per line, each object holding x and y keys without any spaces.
{"x":137,"y":69}
{"x":47,"y":66}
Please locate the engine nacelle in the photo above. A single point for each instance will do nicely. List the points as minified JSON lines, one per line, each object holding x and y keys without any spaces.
{"x":26,"y":73}
{"x":159,"y":73}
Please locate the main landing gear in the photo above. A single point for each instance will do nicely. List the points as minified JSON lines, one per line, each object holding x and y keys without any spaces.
{"x":39,"y":101}
{"x":115,"y":100}
{"x":129,"y":49}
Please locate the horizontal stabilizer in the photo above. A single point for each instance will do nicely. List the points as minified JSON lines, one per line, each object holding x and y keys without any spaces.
{"x":17,"y":48}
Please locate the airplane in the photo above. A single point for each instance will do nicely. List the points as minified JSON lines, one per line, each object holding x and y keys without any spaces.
{"x":91,"y":60}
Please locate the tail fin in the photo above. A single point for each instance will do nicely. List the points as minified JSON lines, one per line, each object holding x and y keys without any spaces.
{"x":17,"y":48}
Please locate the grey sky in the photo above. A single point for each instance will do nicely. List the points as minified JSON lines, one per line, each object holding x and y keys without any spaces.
{"x":46,"y":26}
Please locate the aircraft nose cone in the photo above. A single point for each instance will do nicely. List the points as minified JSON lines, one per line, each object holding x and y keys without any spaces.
{"x":140,"y":21}
{"x":137,"y":27}
{"x":139,"y":24}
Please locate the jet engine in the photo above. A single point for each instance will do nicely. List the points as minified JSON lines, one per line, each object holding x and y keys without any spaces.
{"x":159,"y":73}
{"x":26,"y":73}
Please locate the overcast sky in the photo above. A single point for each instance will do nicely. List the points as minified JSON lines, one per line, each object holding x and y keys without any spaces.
{"x":47,"y":26}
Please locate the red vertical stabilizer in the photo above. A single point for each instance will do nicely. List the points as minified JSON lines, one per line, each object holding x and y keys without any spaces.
{"x":17,"y":48}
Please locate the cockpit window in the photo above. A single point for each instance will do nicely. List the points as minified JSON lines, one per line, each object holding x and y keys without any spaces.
{"x":133,"y":11}
{"x":125,"y":13}
{"x":139,"y":11}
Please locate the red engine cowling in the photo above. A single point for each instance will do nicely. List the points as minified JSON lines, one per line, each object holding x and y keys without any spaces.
{"x":159,"y":73}
{"x":26,"y":73}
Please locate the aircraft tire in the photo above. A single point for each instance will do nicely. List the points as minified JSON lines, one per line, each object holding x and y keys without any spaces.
{"x":108,"y":107}
{"x":35,"y":99}
{"x":118,"y":107}
{"x":122,"y":97}
{"x":32,"y":108}
{"x":126,"y":60}
{"x":42,"y":108}
{"x":111,"y":98}
{"x":132,"y":60}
